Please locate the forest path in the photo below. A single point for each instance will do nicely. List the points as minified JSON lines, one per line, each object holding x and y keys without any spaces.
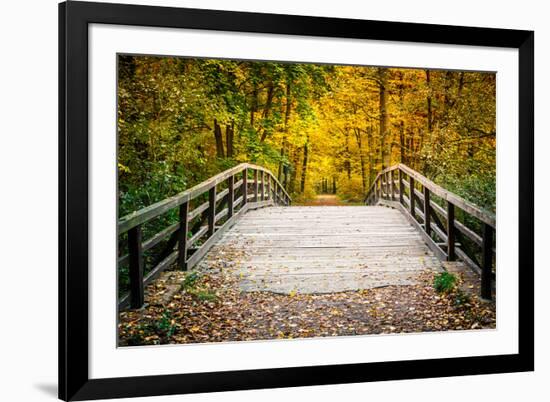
{"x":324,"y":200}
{"x":315,"y":250}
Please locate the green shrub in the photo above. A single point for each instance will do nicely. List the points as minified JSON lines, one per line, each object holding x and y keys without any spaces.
{"x":444,"y":282}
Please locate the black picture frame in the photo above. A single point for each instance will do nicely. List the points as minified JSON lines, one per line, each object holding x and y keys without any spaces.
{"x":74,"y":381}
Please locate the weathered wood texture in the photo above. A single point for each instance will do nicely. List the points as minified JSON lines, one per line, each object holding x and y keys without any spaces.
{"x":326,"y":249}
{"x":441,"y":234}
{"x":188,"y":242}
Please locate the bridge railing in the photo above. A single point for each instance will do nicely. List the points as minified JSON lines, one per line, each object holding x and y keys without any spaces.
{"x":434,"y":211}
{"x":204,"y":213}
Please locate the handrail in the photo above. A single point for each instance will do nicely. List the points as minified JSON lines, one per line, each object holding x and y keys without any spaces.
{"x":225,"y":206}
{"x":143,"y":215}
{"x":436,"y":223}
{"x":481,"y":214}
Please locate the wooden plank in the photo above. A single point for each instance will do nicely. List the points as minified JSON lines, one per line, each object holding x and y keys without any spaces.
{"x":401,"y":186}
{"x":136,"y":267}
{"x":146,"y":214}
{"x":245,"y":187}
{"x":467,"y":260}
{"x":392,"y":181}
{"x":237,"y":202}
{"x":201,"y":232}
{"x":201,"y":252}
{"x":163,"y":265}
{"x":262,"y":188}
{"x":472,"y":209}
{"x":230,"y":195}
{"x":427,"y":213}
{"x":197,"y":211}
{"x":487,"y":262}
{"x":272,"y":176}
{"x":427,"y":239}
{"x":152,"y":242}
{"x":182,"y":236}
{"x":211,"y":211}
{"x":411,"y":196}
{"x":222,"y":194}
{"x":224,"y":212}
{"x":325,"y":249}
{"x":255,"y":186}
{"x":451,"y":256}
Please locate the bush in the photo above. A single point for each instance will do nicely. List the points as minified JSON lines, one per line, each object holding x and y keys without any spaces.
{"x":444,"y":282}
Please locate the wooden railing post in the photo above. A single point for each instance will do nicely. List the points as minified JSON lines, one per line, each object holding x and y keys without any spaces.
{"x":135,"y":267}
{"x":392,"y":185}
{"x":230,"y":195}
{"x":411,"y":194}
{"x":262,"y":176}
{"x":182,"y":236}
{"x":401,"y":186}
{"x":427,"y":211}
{"x":211,"y":211}
{"x":269,"y":196}
{"x":451,"y":255}
{"x":255,"y":185}
{"x":487,"y":262}
{"x":244,"y":190}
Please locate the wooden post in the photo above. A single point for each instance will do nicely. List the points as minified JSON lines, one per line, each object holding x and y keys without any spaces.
{"x":255,"y":186}
{"x":182,"y":236}
{"x":230,"y":195}
{"x":244,"y":190}
{"x":269,"y":187}
{"x":401,"y":186}
{"x":136,"y":267}
{"x":392,"y":185}
{"x":263,"y":185}
{"x":427,"y":219}
{"x":211,"y":211}
{"x":487,"y":262}
{"x":451,"y":256}
{"x":411,"y":194}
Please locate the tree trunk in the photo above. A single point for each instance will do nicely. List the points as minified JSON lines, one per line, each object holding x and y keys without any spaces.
{"x":361,"y":159}
{"x":229,"y":139}
{"x":267,"y":108}
{"x":219,"y":139}
{"x":304,"y":167}
{"x":347,"y":163}
{"x":383,"y":82}
{"x":371,"y":160}
{"x":401,"y":142}
{"x":254,"y":105}
{"x":294,"y":173}
{"x":429,"y":103}
{"x":288,"y":106}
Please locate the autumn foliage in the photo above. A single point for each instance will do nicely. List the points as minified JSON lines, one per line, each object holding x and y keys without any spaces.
{"x":181,"y":120}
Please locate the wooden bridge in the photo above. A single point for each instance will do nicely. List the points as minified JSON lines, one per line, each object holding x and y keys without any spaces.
{"x":408,"y":226}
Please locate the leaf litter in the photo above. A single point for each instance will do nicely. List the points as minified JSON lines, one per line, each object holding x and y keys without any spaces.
{"x":207,"y":305}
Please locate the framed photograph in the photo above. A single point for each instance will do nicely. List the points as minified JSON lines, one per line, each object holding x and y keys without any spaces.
{"x":259,"y":201}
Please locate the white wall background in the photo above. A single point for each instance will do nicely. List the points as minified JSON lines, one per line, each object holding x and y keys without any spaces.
{"x":28,"y":198}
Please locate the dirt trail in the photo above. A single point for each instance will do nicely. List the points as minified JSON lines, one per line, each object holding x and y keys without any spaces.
{"x":324,"y":200}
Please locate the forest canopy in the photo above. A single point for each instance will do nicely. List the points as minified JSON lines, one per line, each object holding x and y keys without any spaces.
{"x":182,"y":120}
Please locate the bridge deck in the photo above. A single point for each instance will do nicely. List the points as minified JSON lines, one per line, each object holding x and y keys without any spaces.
{"x":325,"y":249}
